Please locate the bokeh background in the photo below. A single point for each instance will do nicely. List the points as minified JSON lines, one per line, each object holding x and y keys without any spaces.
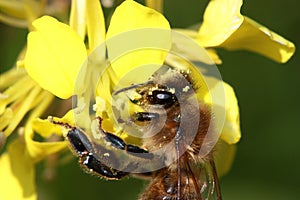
{"x":267,"y":163}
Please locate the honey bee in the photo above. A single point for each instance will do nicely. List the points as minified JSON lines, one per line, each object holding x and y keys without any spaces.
{"x":176,"y":125}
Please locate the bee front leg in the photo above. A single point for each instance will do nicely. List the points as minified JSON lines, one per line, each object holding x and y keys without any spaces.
{"x":84,"y":149}
{"x":118,"y":143}
{"x":93,"y":165}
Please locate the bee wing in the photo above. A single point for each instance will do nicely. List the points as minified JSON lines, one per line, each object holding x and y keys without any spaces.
{"x":203,"y":179}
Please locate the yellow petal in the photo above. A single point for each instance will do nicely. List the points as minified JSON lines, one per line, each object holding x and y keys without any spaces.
{"x":224,"y":156}
{"x":136,"y":16}
{"x":45,"y":128}
{"x":10,"y":77}
{"x":39,"y":150}
{"x":104,"y":92}
{"x":21,"y":106}
{"x":187,"y":32}
{"x":220,"y":20}
{"x":77,"y":17}
{"x":257,"y":38}
{"x":21,"y":13}
{"x":214,"y":56}
{"x":75,"y":117}
{"x":103,"y":105}
{"x":145,"y":40}
{"x":13,"y":8}
{"x":230,"y":131}
{"x":193,"y":56}
{"x":22,"y":9}
{"x":95,"y":24}
{"x":55,"y":54}
{"x":14,"y":22}
{"x":5,"y":119}
{"x":68,"y":118}
{"x":17,"y":173}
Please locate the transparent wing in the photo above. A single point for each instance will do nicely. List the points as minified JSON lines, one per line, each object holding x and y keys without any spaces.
{"x":202,"y":180}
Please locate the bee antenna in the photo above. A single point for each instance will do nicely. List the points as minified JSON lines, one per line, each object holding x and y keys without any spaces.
{"x":131,"y":87}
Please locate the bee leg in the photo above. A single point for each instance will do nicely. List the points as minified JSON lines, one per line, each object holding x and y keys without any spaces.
{"x":79,"y":141}
{"x":83,"y":148}
{"x":145,"y":116}
{"x":77,"y":138}
{"x":118,"y":143}
{"x":92,"y":164}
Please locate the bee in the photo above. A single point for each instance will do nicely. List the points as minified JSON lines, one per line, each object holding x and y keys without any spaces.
{"x":174,"y":124}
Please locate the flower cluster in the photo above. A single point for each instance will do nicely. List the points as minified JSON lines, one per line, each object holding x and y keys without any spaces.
{"x":61,"y":57}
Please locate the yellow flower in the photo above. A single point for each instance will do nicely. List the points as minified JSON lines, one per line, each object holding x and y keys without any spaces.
{"x":18,"y":162}
{"x":229,"y":33}
{"x":16,"y":100}
{"x":54,"y":52}
{"x":224,"y":26}
{"x":58,"y":59}
{"x":22,"y":96}
{"x":20,"y":13}
{"x":19,"y":93}
{"x":72,"y":52}
{"x":43,"y":43}
{"x":22,"y":100}
{"x":49,"y":54}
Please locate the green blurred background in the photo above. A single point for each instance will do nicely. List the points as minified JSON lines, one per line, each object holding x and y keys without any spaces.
{"x":267,"y":163}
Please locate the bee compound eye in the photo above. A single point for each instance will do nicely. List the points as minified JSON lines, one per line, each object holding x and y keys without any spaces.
{"x":162,"y":98}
